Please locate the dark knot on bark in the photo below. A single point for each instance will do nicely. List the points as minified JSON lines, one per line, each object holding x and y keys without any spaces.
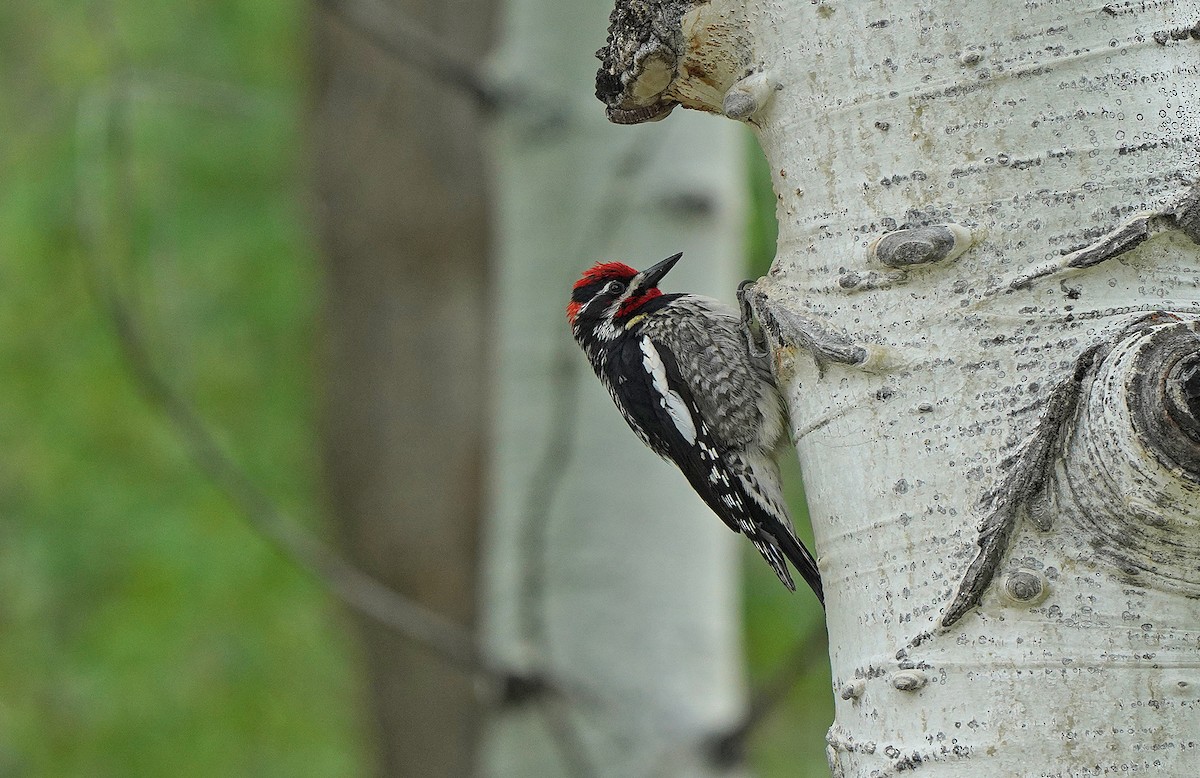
{"x":1164,"y":399}
{"x":1183,"y":395}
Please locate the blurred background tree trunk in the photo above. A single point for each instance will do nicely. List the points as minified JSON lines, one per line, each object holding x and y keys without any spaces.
{"x":605,"y":574}
{"x":403,"y":212}
{"x":604,"y":569}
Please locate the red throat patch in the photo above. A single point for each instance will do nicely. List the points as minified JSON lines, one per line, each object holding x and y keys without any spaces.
{"x":573,"y":309}
{"x":630,"y":306}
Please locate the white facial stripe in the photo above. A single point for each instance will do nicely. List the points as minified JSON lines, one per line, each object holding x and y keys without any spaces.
{"x":668,"y":398}
{"x":593,"y":301}
{"x":605,"y":329}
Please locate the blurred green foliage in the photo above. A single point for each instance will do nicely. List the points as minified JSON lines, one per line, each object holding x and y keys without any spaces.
{"x":146,"y":631}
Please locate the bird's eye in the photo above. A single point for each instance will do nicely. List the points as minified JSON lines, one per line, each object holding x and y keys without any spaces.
{"x":614,"y":287}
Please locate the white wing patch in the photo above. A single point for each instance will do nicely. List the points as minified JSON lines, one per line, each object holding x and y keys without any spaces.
{"x":668,"y":398}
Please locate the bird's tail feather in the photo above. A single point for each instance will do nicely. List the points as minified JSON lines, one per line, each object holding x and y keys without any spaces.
{"x":775,"y":559}
{"x":803,"y":562}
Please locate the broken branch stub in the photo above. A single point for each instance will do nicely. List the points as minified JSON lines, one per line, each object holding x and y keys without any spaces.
{"x":666,"y":53}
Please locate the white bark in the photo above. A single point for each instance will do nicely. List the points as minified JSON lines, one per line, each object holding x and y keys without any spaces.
{"x":604,"y":570}
{"x":996,"y":386}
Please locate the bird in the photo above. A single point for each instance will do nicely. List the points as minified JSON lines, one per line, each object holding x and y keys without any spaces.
{"x":680,"y":369}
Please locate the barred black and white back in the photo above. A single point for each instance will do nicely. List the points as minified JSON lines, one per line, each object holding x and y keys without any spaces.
{"x":679,"y":369}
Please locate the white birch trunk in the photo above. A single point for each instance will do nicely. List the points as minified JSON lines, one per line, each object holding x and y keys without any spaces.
{"x":1000,"y":449}
{"x":604,"y":571}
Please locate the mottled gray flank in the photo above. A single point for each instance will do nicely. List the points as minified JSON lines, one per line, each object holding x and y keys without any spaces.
{"x":739,"y":426}
{"x":729,"y":387}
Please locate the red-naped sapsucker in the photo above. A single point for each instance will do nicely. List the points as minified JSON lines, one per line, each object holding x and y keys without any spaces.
{"x":680,"y":369}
